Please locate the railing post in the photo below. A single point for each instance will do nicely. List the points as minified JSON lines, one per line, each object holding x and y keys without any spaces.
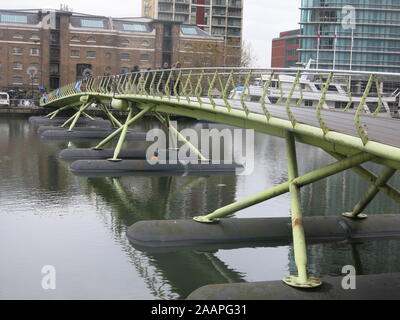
{"x":299,"y":243}
{"x":359,"y":126}
{"x":289,"y":112}
{"x":321,"y":103}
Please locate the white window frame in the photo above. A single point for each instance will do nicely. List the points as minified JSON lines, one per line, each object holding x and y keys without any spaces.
{"x":32,"y":50}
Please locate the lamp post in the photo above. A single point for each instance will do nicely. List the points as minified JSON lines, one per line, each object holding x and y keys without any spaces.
{"x":32,"y":71}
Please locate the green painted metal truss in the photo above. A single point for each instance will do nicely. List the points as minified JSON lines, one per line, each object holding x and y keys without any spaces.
{"x":243,"y":98}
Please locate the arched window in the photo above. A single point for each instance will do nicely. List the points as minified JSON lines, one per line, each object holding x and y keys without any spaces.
{"x":75,"y":38}
{"x":145,"y":43}
{"x":125,"y":42}
{"x":91,"y":39}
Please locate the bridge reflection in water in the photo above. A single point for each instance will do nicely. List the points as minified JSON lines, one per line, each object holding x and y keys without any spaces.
{"x":34,"y":178}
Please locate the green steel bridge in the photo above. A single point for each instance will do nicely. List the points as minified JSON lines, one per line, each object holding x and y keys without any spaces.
{"x":351,"y":136}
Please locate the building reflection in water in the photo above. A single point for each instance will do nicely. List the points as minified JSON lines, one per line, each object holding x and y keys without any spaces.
{"x":133,"y":199}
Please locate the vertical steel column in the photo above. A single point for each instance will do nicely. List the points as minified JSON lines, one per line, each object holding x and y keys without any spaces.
{"x":370,"y":195}
{"x":122,"y":137}
{"x":299,"y":244}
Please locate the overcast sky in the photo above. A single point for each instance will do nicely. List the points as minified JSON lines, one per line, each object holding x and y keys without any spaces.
{"x":263,"y":19}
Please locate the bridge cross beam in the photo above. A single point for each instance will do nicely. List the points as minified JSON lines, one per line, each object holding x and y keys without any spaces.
{"x":308,"y":178}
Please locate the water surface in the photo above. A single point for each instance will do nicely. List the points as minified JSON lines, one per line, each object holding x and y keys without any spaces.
{"x":48,"y":216}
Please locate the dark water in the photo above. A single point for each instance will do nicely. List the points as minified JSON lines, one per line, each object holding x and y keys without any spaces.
{"x":48,"y":216}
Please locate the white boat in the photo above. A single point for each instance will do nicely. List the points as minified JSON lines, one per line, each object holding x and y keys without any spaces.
{"x":337,"y":97}
{"x":4,"y":99}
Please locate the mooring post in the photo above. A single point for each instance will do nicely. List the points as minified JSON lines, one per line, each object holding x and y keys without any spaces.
{"x":122,"y":137}
{"x":119,"y":130}
{"x":299,"y":242}
{"x":370,"y":195}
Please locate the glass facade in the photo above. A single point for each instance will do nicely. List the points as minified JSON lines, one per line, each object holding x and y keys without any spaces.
{"x":361,"y":35}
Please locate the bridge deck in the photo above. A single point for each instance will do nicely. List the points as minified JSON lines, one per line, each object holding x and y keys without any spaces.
{"x":380,"y":129}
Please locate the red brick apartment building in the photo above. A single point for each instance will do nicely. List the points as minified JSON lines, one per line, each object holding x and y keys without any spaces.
{"x":284,"y":49}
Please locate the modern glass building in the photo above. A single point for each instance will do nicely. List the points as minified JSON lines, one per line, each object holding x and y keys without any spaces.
{"x":360,"y":35}
{"x":222,"y":18}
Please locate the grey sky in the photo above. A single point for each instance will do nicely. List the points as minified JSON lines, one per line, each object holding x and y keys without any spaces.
{"x":263,"y":19}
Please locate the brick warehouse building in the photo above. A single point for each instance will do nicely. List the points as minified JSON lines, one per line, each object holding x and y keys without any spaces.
{"x":285,"y":49}
{"x":50,"y":48}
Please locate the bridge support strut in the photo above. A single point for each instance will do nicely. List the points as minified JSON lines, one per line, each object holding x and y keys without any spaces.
{"x":114,"y":121}
{"x":283,"y":188}
{"x":370,"y":195}
{"x":120,"y":129}
{"x":77,"y":115}
{"x":173,"y":131}
{"x":122,"y":137}
{"x":84,"y":114}
{"x":53,"y":114}
{"x":390,"y":191}
{"x":299,"y":243}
